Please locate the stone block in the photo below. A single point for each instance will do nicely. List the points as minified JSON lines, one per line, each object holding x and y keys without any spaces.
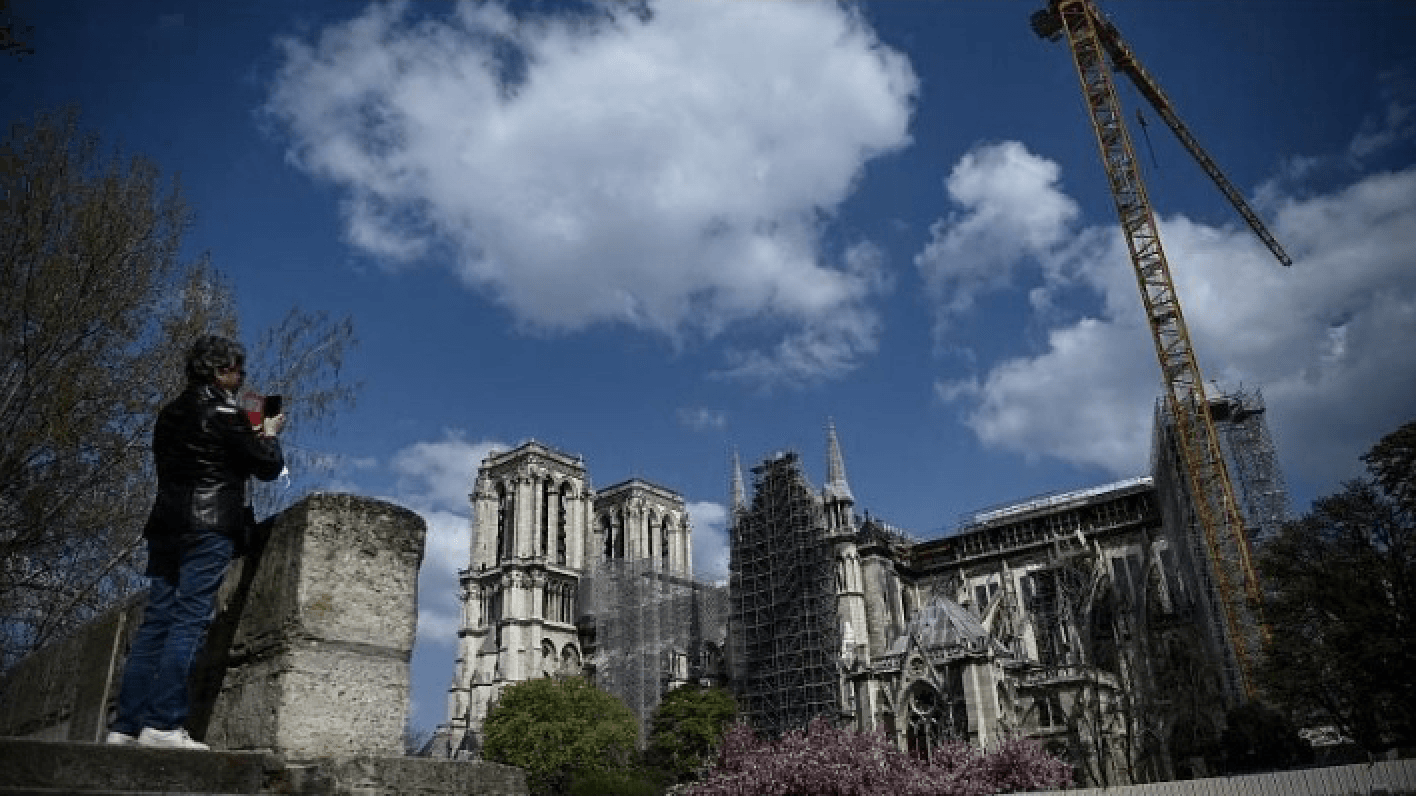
{"x":315,"y":700}
{"x":318,"y":665}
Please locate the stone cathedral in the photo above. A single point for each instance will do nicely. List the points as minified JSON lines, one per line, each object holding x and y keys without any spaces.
{"x":1083,"y":619}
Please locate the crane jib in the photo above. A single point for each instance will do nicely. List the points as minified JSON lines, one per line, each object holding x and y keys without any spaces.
{"x":1048,"y":24}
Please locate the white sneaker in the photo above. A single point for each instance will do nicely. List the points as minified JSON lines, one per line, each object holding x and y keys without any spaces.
{"x":170,"y":739}
{"x":120,"y":738}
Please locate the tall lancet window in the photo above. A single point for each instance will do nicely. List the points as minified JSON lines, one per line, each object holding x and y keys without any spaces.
{"x":561,"y":519}
{"x":545,"y":516}
{"x":503,"y":516}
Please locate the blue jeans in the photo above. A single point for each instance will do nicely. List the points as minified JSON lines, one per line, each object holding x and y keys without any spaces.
{"x":186,"y":572}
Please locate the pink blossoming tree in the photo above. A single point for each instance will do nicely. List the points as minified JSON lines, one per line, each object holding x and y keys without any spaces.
{"x":823,"y":760}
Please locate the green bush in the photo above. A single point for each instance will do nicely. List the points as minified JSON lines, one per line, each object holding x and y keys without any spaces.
{"x":618,"y":782}
{"x":687,"y":728}
{"x":558,"y":729}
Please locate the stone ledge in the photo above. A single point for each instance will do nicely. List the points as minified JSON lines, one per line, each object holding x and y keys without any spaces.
{"x":4,"y":791}
{"x":421,"y":776}
{"x":52,"y":766}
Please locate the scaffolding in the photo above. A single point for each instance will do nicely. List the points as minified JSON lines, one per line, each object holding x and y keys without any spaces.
{"x":783,"y":626}
{"x":1239,"y":417}
{"x":1263,"y":502}
{"x":652,"y":630}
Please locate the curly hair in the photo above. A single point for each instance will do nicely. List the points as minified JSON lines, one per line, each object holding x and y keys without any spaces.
{"x":211,"y":353}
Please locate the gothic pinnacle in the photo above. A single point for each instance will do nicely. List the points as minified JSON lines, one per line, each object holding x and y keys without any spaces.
{"x":836,"y":485}
{"x":739,"y":493}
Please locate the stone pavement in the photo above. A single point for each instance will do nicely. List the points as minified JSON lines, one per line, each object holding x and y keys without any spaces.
{"x":51,"y":768}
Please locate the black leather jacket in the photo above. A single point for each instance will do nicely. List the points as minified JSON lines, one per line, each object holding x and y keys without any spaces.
{"x":206,"y":449}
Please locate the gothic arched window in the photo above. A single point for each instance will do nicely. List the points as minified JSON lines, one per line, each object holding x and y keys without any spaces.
{"x":502,"y":509}
{"x":712,"y":662}
{"x":494,"y":612}
{"x":562,"y":499}
{"x":924,"y":720}
{"x":548,"y":658}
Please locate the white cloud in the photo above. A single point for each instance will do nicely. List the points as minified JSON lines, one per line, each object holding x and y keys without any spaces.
{"x":1010,"y":208}
{"x":1328,"y":341}
{"x":703,"y":419}
{"x":439,"y":474}
{"x":710,"y":538}
{"x":445,"y":552}
{"x":666,"y":170}
{"x":434,"y":479}
{"x":1396,"y":123}
{"x":1382,"y":139}
{"x":826,"y":348}
{"x":1087,"y":400}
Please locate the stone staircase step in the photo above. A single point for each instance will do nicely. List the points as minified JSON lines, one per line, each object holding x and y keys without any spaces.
{"x":88,"y":792}
{"x":54,"y":767}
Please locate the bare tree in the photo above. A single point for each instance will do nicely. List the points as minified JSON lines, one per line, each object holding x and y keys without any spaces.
{"x":14,"y":33}
{"x":96,"y":314}
{"x":302,"y":359}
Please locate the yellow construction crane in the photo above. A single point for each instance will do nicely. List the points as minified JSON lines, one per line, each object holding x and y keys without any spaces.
{"x":1093,"y":39}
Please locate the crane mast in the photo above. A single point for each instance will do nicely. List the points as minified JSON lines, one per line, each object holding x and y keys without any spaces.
{"x":1091,"y":38}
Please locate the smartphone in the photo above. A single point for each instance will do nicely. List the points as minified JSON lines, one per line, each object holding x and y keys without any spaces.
{"x":272,"y":406}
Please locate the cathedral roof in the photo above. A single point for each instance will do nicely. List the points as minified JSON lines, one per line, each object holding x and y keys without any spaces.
{"x":944,"y":623}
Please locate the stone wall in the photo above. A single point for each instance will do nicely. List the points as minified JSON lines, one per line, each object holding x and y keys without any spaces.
{"x":308,"y":656}
{"x":62,"y":692}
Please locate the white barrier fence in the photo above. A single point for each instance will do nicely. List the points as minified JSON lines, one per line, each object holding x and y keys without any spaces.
{"x":1385,"y":778}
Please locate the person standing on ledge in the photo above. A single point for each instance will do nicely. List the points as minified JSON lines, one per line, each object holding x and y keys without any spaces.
{"x":206,"y":450}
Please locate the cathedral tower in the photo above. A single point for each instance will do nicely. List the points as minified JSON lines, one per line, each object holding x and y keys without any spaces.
{"x":783,"y":630}
{"x":532,"y":520}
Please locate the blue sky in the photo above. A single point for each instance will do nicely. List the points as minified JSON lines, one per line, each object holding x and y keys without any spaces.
{"x":651,"y":238}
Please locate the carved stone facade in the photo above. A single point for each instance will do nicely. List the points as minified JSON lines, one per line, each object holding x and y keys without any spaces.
{"x":636,"y":520}
{"x":1032,"y":620}
{"x":539,"y":532}
{"x":1062,"y":618}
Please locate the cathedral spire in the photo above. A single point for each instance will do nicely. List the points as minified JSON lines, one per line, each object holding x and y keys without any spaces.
{"x":836,"y":486}
{"x":739,"y":493}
